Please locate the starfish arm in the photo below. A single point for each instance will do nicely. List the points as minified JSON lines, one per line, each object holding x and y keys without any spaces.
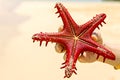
{"x":99,"y":49}
{"x":79,"y":48}
{"x":50,"y":37}
{"x":91,"y":25}
{"x":69,"y":60}
{"x":69,"y":23}
{"x":96,"y":21}
{"x":62,"y":14}
{"x":84,"y":27}
{"x":73,"y":50}
{"x":70,"y":49}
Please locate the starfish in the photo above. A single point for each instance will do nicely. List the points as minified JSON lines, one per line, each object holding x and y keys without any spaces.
{"x":75,"y":38}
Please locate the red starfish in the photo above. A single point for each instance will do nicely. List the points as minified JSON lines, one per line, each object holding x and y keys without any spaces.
{"x":75,"y":38}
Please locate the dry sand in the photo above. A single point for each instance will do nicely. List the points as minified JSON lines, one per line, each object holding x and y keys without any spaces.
{"x":20,"y":59}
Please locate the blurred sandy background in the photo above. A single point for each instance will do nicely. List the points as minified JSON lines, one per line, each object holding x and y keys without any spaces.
{"x":20,"y":59}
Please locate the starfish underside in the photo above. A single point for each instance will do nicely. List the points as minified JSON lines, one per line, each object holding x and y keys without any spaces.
{"x":75,"y":38}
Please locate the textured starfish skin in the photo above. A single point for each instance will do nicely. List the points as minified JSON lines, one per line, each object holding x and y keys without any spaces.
{"x":75,"y":38}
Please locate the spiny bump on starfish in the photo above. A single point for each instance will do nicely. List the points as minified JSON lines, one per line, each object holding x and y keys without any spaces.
{"x":75,"y":38}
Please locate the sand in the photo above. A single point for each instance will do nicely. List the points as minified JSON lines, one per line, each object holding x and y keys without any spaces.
{"x":20,"y":59}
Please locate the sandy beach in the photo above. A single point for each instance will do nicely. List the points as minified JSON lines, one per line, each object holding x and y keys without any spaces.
{"x":20,"y":59}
